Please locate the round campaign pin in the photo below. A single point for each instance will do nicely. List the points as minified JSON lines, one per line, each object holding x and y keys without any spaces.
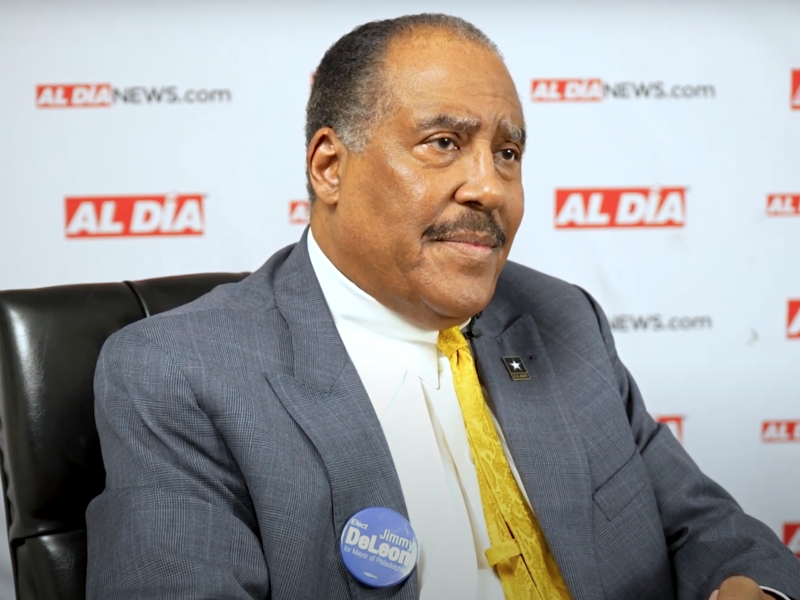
{"x":379,"y":547}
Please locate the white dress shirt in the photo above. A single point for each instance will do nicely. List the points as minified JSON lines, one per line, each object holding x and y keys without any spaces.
{"x":409,"y":382}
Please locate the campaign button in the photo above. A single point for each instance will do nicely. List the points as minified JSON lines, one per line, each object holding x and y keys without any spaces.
{"x":378,"y":547}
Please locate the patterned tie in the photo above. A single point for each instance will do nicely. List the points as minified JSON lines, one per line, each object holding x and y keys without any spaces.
{"x":518,"y":551}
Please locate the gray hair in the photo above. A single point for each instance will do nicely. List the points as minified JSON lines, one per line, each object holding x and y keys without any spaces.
{"x":348,"y":92}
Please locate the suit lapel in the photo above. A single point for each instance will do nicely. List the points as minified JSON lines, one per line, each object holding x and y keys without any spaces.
{"x":545,"y":444}
{"x":327,"y":400}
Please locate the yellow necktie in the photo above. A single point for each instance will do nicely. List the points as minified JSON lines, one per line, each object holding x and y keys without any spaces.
{"x":518,"y":551}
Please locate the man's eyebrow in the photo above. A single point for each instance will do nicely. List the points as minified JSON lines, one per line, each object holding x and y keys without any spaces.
{"x":514,"y":133}
{"x":449,"y":122}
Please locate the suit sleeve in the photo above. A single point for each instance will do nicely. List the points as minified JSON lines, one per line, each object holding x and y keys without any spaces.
{"x":175,"y":519}
{"x":708,"y":535}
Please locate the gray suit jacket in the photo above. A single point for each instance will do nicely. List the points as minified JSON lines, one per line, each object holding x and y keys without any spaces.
{"x":238,"y":438}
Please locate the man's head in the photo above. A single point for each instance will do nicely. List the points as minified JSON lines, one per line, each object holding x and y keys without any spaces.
{"x":415,"y":136}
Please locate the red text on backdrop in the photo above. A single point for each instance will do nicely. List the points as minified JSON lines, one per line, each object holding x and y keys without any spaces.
{"x":620,"y":207}
{"x":134,"y":216}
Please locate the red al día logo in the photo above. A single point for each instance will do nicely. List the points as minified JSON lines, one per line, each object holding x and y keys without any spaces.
{"x":74,"y":95}
{"x":134,"y":216}
{"x":795,"y":100}
{"x":783,"y":205}
{"x":299,"y":212}
{"x":778,"y":431}
{"x":675,"y":424}
{"x":620,"y":207}
{"x":793,"y":320}
{"x":567,"y":90}
{"x":791,"y":537}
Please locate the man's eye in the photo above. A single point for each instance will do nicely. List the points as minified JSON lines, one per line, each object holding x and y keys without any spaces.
{"x":445,"y":143}
{"x":508,"y":154}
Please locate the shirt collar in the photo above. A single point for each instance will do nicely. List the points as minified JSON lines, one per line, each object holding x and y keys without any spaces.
{"x":358,"y":315}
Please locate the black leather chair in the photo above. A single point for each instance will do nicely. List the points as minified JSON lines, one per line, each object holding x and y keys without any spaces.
{"x":51,"y":463}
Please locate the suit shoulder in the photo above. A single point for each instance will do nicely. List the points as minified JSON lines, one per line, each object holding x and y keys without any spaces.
{"x":556,"y":305}
{"x":518,"y":283}
{"x":254,"y":292}
{"x":232,"y":314}
{"x":516,"y":273}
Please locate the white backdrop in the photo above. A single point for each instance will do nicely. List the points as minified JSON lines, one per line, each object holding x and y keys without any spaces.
{"x":663,"y":175}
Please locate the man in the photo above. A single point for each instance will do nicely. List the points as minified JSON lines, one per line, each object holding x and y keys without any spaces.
{"x":245,"y":434}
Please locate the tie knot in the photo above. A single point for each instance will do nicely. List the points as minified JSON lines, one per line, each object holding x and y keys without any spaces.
{"x":451,"y":340}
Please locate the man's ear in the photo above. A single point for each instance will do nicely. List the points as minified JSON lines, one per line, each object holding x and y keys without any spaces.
{"x":325,"y":158}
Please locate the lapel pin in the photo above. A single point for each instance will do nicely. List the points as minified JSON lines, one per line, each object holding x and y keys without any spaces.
{"x":516,"y":368}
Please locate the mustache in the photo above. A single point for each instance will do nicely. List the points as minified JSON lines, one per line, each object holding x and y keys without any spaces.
{"x":469,"y":222}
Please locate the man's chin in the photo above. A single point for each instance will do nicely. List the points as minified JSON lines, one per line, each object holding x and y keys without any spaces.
{"x":458,"y":304}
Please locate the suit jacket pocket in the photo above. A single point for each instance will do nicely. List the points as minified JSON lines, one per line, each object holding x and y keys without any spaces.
{"x":623,"y":486}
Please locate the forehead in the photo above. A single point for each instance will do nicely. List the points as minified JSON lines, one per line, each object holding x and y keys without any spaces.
{"x":433,"y":71}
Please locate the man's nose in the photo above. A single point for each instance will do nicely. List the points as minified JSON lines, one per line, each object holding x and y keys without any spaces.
{"x":483,"y":188}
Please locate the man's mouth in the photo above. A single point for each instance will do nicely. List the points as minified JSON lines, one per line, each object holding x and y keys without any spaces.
{"x":473,"y":238}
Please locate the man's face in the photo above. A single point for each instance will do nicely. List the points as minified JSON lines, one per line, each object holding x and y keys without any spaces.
{"x":424,"y":217}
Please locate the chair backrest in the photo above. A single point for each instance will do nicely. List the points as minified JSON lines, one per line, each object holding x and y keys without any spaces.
{"x":51,"y":463}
